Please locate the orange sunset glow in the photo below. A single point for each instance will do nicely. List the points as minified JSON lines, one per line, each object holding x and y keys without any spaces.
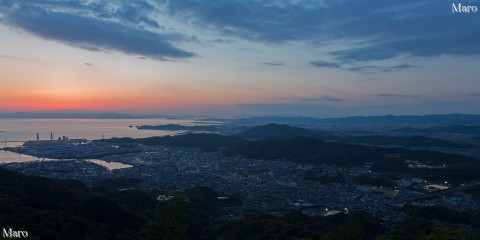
{"x":52,"y":57}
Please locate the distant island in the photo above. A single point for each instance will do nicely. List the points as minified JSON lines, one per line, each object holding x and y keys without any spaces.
{"x":176,"y":127}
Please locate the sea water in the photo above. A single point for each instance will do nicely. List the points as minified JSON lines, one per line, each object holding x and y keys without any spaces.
{"x":17,"y":131}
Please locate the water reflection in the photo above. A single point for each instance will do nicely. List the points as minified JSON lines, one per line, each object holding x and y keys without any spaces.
{"x":110,"y":165}
{"x":11,"y":157}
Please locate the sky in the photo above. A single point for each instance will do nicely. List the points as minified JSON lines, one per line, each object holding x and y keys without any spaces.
{"x":320,"y":58}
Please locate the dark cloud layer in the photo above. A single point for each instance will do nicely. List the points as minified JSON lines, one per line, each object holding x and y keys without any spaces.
{"x":368,"y":31}
{"x":90,"y":32}
{"x":380,"y":30}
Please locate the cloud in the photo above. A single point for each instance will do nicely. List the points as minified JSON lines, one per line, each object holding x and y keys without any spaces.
{"x":274,"y":63}
{"x":394,"y":95}
{"x":28,"y":59}
{"x":360,"y":68}
{"x":402,"y":66}
{"x":325,"y":64}
{"x":368,"y":69}
{"x":376,"y":30}
{"x":326,"y":99}
{"x":220,"y":40}
{"x":135,"y":12}
{"x":474,"y":95}
{"x":18,"y":58}
{"x":91,"y":32}
{"x":250,"y":19}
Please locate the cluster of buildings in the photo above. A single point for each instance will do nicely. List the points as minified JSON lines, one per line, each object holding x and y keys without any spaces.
{"x":417,"y":164}
{"x":60,"y":139}
{"x":266,"y":186}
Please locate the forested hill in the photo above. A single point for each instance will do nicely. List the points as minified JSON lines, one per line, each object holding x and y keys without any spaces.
{"x":68,"y":209}
{"x":410,"y":141}
{"x":307,"y":150}
{"x":280,"y":131}
{"x":200,"y":140}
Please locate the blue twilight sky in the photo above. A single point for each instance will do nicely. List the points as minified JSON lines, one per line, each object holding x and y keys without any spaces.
{"x":235,"y":58}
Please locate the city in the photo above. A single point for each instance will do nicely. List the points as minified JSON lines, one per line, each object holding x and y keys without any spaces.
{"x":273,"y":187}
{"x":239,"y":119}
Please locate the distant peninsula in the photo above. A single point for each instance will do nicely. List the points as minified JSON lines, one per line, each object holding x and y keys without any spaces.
{"x":176,"y":127}
{"x":434,"y":119}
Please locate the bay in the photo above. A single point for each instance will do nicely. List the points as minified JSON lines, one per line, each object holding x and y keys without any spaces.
{"x":17,"y":131}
